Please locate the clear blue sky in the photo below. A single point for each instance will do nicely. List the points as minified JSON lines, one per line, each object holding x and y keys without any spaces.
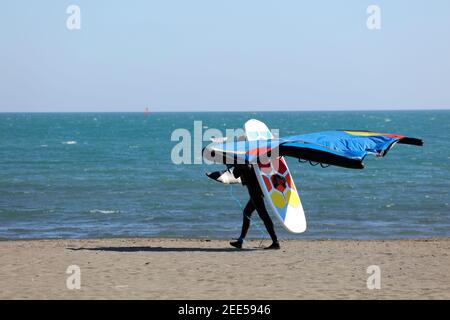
{"x":212,"y":55}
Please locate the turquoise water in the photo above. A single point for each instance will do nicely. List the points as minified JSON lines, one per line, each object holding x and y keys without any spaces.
{"x":95,"y":175}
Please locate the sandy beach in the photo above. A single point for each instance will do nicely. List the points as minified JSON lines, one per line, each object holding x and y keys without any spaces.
{"x":191,"y":269}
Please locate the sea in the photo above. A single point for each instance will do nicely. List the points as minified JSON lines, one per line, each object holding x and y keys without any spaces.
{"x":105,"y":175}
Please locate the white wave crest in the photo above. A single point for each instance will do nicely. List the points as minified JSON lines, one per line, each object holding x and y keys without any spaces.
{"x":69,"y":142}
{"x":103,"y":211}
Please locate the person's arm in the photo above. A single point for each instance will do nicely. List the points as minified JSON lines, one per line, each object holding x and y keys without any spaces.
{"x":240,"y":170}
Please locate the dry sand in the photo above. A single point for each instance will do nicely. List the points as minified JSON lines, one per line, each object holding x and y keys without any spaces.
{"x":191,"y":269}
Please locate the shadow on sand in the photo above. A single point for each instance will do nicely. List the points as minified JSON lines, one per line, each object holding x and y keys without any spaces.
{"x":161,"y":249}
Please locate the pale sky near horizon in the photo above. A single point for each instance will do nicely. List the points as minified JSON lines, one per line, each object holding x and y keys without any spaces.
{"x":211,"y":55}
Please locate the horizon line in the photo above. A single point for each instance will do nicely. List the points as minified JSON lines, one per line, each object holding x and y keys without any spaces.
{"x":149,"y":111}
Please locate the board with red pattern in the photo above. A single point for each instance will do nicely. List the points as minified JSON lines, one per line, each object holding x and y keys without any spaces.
{"x":277,"y":184}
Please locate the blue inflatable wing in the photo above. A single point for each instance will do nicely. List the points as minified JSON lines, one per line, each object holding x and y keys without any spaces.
{"x":346,"y":148}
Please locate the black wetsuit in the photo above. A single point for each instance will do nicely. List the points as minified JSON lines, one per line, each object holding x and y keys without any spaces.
{"x":256,"y":202}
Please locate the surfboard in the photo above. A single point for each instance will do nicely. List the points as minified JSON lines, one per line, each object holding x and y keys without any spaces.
{"x":277,"y":183}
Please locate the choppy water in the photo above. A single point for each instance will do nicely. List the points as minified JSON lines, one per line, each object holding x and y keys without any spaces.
{"x":110,"y":175}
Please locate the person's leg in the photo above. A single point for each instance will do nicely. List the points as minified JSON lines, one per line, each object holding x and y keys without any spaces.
{"x":257,"y":199}
{"x":247,"y":213}
{"x":258,"y":202}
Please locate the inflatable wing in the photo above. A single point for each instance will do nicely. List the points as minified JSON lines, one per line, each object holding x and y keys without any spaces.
{"x":346,"y":148}
{"x":241,"y":152}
